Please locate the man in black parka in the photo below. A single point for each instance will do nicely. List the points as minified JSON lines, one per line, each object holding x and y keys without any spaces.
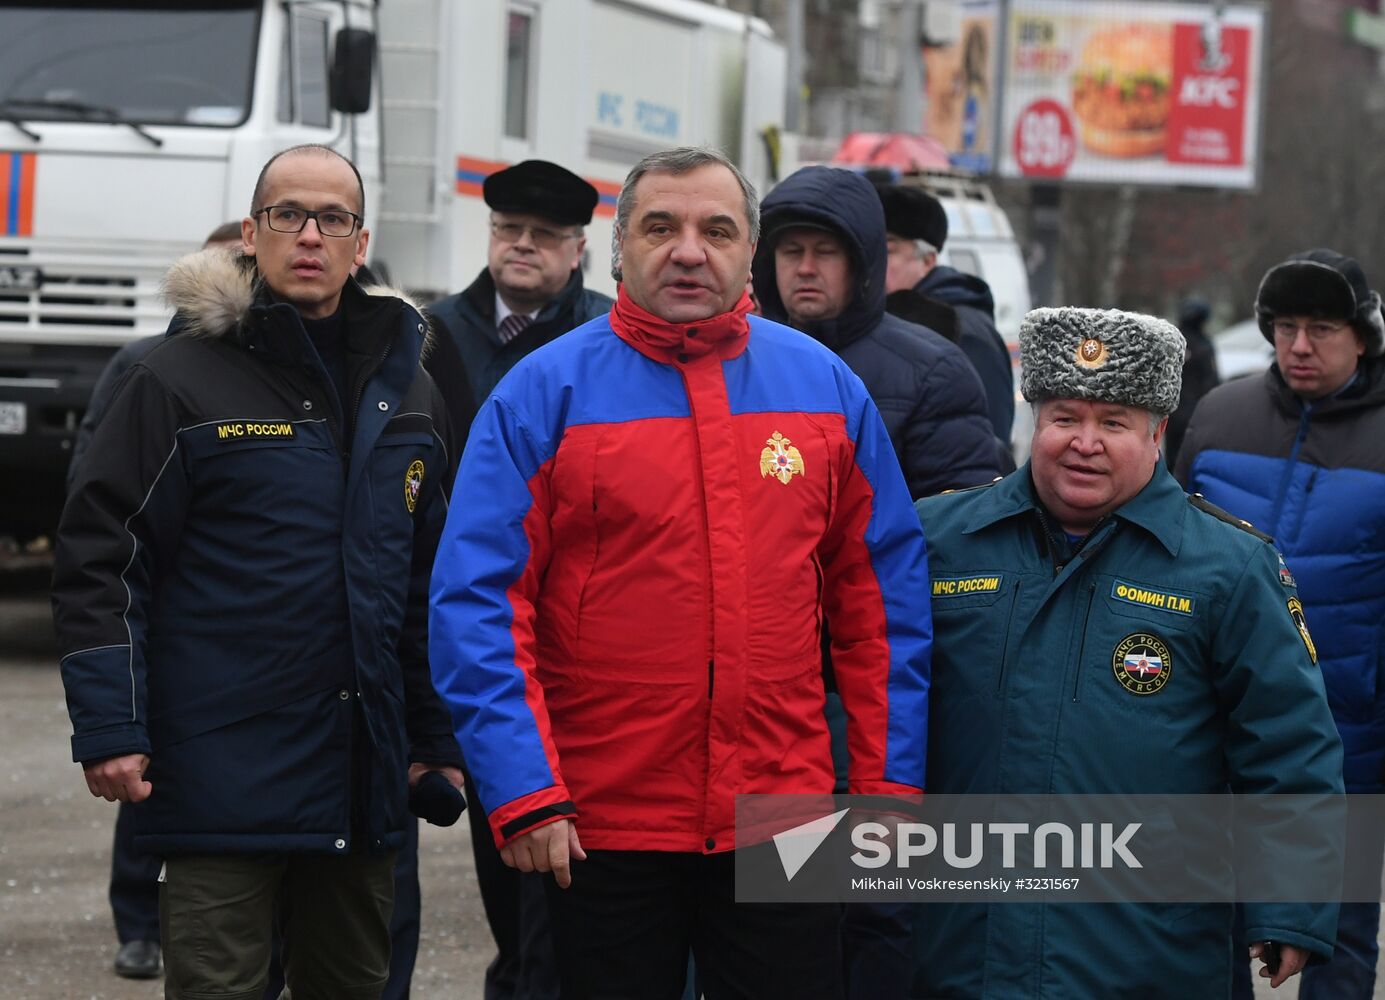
{"x":240,"y":592}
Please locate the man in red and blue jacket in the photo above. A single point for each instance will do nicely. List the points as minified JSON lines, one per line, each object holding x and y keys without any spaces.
{"x":660,"y":508}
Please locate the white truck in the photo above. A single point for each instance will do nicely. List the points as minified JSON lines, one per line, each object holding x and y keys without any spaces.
{"x":132,"y":128}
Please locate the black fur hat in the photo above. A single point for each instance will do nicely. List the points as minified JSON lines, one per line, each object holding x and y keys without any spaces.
{"x":913,"y":213}
{"x":1326,"y":285}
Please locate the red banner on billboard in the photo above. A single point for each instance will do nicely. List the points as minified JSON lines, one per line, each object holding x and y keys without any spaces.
{"x":1211,"y":72}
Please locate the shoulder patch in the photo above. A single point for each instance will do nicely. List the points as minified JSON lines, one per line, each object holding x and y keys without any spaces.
{"x":1203,"y":504}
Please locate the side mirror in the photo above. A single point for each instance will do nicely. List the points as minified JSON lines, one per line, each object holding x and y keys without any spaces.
{"x":353,"y":66}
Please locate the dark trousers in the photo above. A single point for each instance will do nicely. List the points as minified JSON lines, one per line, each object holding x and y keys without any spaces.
{"x":877,"y":937}
{"x":877,"y":945}
{"x":134,"y":892}
{"x":517,"y":912}
{"x":218,"y":914}
{"x":623,"y":930}
{"x":134,"y":896}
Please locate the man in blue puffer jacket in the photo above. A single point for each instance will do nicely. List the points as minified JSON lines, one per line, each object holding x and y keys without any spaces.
{"x":1299,"y":454}
{"x":820,"y":268}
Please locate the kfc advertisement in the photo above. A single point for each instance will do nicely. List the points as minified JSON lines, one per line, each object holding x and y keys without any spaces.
{"x":1132,"y":93}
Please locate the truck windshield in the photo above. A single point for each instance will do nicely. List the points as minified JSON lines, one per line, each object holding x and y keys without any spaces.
{"x":158,"y":63}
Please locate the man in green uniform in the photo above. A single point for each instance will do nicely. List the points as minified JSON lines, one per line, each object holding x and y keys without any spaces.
{"x":1099,"y":631}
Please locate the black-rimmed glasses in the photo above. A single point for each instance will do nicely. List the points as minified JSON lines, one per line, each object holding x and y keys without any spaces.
{"x":292,"y":219}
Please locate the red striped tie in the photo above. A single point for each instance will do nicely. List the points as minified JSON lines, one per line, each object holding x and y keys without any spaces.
{"x":511,"y":326}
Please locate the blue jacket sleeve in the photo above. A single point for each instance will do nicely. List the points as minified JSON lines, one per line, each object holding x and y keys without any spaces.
{"x":494,"y":549}
{"x":123,"y":517}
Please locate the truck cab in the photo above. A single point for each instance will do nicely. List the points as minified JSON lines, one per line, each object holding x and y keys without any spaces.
{"x":129,"y":131}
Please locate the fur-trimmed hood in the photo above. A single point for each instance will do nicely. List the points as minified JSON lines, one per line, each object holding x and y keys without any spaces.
{"x":213,"y":290}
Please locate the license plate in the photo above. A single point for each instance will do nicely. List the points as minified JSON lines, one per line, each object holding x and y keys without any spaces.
{"x":16,"y":278}
{"x":14,"y":418}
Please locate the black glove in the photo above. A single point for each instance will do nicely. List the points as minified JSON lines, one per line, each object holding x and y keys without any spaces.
{"x":436,"y":800}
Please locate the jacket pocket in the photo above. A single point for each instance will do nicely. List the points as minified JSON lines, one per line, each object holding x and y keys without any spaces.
{"x":971,"y":627}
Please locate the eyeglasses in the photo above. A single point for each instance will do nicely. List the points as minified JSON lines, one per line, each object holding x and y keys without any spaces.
{"x":541,"y":237}
{"x":292,"y":219}
{"x":1317,"y":330}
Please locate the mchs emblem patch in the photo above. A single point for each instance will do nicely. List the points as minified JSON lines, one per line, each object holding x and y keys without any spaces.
{"x":413,"y":483}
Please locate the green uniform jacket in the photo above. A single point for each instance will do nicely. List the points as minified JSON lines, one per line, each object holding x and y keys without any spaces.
{"x":1031,"y":695}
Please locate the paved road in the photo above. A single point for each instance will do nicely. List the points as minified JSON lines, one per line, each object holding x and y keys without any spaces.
{"x":56,"y":938}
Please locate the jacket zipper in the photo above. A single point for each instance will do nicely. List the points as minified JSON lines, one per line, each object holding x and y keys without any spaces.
{"x":1082,"y":645}
{"x":1277,"y":511}
{"x":711,"y":673}
{"x":1005,"y":647}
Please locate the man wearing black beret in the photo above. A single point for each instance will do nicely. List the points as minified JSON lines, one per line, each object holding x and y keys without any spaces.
{"x":530,"y":292}
{"x":916,"y":224}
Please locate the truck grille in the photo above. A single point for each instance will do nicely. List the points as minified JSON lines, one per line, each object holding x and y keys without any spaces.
{"x":91,"y":297}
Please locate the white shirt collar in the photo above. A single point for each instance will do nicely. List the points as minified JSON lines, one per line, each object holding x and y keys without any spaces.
{"x":503,"y":312}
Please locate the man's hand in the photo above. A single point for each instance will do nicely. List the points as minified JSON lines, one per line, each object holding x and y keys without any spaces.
{"x":452,"y":774}
{"x":119,"y":779}
{"x":546,"y":848}
{"x":1291,"y":962}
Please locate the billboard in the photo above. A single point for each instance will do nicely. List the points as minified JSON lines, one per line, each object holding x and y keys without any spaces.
{"x":1132,"y":93}
{"x":960,"y":87}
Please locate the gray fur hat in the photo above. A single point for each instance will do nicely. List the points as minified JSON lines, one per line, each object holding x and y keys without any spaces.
{"x":1104,"y":354}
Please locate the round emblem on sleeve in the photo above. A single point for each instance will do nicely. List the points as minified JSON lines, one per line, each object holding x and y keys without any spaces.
{"x":413,"y":482}
{"x":1142,"y":663}
{"x":1091,"y":353}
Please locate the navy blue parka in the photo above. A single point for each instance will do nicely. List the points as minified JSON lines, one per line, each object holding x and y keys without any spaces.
{"x":241,"y":576}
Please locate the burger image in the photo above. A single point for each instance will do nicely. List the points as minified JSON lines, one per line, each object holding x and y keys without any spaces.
{"x":1120,"y":90}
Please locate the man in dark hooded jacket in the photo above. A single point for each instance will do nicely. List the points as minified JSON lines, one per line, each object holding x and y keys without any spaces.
{"x":820,"y":267}
{"x":917,"y":226}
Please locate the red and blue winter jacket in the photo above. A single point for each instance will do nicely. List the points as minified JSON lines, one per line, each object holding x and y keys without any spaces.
{"x":650,"y":524}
